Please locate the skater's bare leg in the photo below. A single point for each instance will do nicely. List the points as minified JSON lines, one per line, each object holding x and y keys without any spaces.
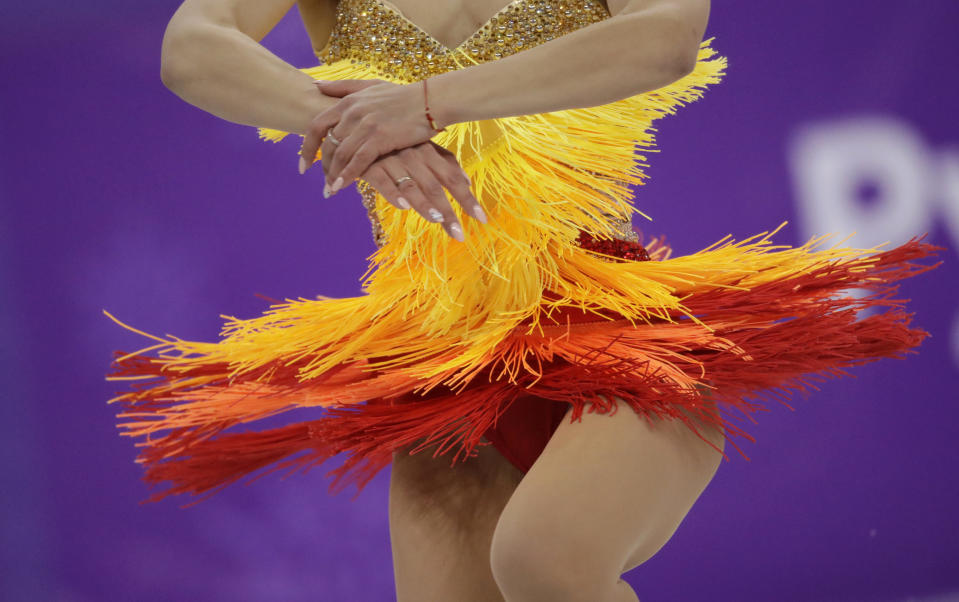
{"x":441,"y":524}
{"x":605,"y":495}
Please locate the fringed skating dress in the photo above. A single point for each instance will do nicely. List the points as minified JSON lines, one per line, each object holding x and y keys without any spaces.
{"x":554,"y":303}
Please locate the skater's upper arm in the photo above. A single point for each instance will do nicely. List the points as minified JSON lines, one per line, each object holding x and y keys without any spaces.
{"x":683,"y":23}
{"x":691,"y":11}
{"x":254,"y":18}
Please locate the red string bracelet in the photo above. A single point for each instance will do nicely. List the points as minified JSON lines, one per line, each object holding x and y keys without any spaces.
{"x":428,"y":116}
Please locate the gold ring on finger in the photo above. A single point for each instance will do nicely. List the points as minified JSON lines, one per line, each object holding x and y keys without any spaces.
{"x":402,"y":179}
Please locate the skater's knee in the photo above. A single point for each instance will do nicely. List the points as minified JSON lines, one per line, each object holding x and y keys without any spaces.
{"x":530,"y":568}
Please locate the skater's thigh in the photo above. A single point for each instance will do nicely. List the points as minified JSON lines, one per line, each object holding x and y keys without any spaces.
{"x":606,"y":493}
{"x":451,"y":496}
{"x":442,"y":520}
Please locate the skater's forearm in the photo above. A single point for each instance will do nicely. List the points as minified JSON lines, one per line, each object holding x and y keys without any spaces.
{"x":644,"y":46}
{"x":213,"y":64}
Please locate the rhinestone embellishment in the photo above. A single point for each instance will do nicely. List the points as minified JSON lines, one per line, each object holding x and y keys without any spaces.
{"x":371,"y":32}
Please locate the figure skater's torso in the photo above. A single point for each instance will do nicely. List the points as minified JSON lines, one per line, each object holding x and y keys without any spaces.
{"x":385,"y":34}
{"x":461,"y":21}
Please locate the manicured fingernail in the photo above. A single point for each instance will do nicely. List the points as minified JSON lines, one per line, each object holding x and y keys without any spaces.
{"x":402,"y":202}
{"x":479,"y":213}
{"x":435,"y":215}
{"x":326,"y":191}
{"x":302,"y":165}
{"x":336,"y":185}
{"x":457,"y":232}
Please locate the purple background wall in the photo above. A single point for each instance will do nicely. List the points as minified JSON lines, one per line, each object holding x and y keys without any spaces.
{"x":117,"y":195}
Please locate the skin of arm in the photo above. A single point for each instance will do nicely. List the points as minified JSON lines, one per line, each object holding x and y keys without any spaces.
{"x":212,"y":59}
{"x":644,"y":45}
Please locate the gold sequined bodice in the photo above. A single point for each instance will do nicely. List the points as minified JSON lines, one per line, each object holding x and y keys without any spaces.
{"x":377,"y":34}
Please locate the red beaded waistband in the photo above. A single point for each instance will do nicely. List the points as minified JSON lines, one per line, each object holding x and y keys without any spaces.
{"x":623,"y":249}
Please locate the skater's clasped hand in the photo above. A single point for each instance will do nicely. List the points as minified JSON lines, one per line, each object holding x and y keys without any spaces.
{"x":378,"y":132}
{"x":431,"y":168}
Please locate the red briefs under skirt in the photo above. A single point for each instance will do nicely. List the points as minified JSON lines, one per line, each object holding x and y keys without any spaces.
{"x":525,"y":428}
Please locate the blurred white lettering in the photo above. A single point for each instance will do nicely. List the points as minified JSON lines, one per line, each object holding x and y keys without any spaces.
{"x":872,"y":176}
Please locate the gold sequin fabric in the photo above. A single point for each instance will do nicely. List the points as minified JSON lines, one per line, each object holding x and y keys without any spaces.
{"x":368,"y":194}
{"x":378,"y":35}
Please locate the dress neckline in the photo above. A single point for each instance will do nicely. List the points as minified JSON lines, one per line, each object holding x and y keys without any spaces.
{"x":395,"y":10}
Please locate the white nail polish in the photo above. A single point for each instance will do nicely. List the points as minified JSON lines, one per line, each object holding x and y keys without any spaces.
{"x":336,"y":185}
{"x":436,"y":215}
{"x":402,"y":202}
{"x":326,"y":191}
{"x":480,"y":214}
{"x":302,"y":166}
{"x":457,"y":232}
